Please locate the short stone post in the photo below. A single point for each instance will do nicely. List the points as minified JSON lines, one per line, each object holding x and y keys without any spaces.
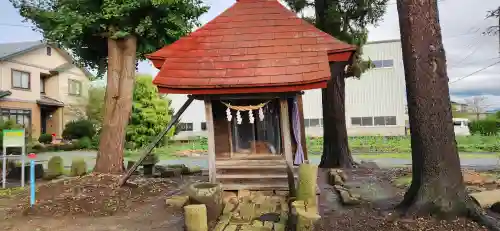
{"x":306,"y":216}
{"x":306,"y":190}
{"x":195,"y":217}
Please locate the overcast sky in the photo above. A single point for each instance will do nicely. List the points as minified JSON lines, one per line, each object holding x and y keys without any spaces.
{"x":462,"y":22}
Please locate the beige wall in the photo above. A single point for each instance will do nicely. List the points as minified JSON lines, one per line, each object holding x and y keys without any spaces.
{"x":37,"y":62}
{"x":35,"y":113}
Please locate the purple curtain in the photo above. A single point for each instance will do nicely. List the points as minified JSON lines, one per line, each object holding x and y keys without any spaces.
{"x":299,"y":155}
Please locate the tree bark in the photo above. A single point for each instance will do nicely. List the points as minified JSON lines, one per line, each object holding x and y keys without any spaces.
{"x":118,"y":104}
{"x":437,"y":184}
{"x":336,"y":152}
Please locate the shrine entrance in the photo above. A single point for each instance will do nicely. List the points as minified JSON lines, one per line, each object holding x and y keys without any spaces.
{"x":253,"y":126}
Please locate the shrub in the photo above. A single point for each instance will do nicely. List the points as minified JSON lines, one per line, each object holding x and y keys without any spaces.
{"x":486,"y":127}
{"x":38,"y":147}
{"x":78,"y":129}
{"x":45,"y":138}
{"x":69,"y":147}
{"x":55,"y":167}
{"x":95,"y":141}
{"x":84,"y":143}
{"x":78,"y":167}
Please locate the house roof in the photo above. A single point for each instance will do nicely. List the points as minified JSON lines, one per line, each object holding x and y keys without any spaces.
{"x":5,"y":94}
{"x":47,"y":101}
{"x":10,"y":50}
{"x":254,"y":46}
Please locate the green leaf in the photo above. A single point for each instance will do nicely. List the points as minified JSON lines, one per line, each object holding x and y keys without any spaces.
{"x":83,"y":26}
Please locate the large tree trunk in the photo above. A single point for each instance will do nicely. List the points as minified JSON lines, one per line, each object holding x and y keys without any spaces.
{"x":437,"y":184}
{"x":336,"y":153}
{"x":118,"y":104}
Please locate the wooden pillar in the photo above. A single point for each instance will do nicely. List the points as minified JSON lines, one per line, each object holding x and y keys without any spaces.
{"x":303,"y":139}
{"x":287,"y":143}
{"x":209,"y":116}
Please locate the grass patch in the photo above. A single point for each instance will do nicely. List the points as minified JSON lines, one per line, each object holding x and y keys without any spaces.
{"x":408,"y":156}
{"x":9,"y":192}
{"x":402,"y":144}
{"x":402,"y":181}
{"x":163,"y":153}
{"x":387,"y":147}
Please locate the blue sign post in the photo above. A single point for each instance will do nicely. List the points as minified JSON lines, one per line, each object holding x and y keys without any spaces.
{"x":32,"y":156}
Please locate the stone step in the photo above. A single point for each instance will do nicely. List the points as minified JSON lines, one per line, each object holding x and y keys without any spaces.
{"x":251,"y":176}
{"x":255,"y":186}
{"x":277,"y":162}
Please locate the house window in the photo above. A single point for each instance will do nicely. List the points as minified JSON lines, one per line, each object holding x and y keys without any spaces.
{"x":366,"y":121}
{"x":383,"y":63}
{"x":362,"y":121}
{"x":356,"y":121}
{"x":313,"y":122}
{"x":185,"y":127}
{"x":20,"y":79}
{"x":390,"y":120}
{"x":379,"y":121}
{"x":74,"y":87}
{"x":384,"y":120}
{"x":20,"y":116}
{"x":42,"y":85}
{"x":203,"y":126}
{"x":49,"y":51}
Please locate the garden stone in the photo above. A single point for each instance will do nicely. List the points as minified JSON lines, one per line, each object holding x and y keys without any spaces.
{"x":495,"y":207}
{"x":177,"y":201}
{"x":487,"y":198}
{"x":230,"y":197}
{"x":148,"y":169}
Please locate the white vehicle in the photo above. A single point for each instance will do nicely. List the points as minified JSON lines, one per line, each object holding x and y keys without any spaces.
{"x":461,"y":126}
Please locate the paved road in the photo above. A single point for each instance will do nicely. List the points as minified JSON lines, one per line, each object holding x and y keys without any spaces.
{"x":90,"y":156}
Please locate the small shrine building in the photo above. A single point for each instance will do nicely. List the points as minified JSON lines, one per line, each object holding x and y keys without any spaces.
{"x":250,"y":65}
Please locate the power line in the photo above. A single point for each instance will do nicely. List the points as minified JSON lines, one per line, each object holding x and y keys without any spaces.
{"x":479,"y":61}
{"x":475,"y":49}
{"x":475,"y":72}
{"x":14,"y":25}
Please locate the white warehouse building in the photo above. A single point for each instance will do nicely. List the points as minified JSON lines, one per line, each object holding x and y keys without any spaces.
{"x":375,"y":103}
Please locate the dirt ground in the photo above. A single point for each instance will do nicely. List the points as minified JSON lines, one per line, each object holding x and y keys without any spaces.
{"x":380,"y":197}
{"x":91,"y":203}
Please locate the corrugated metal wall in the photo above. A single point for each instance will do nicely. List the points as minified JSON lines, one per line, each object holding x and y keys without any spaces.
{"x":379,"y":92}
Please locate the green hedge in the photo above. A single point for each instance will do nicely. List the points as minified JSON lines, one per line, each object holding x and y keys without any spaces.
{"x":402,"y":144}
{"x":485,"y":127}
{"x":368,"y":144}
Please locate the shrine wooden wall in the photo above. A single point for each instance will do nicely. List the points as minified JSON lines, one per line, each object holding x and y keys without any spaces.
{"x":221,"y":129}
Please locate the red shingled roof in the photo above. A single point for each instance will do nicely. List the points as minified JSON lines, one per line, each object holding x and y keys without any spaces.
{"x":254,"y":46}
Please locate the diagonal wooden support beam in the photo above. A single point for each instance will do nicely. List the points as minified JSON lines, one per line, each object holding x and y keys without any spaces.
{"x":155,"y":142}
